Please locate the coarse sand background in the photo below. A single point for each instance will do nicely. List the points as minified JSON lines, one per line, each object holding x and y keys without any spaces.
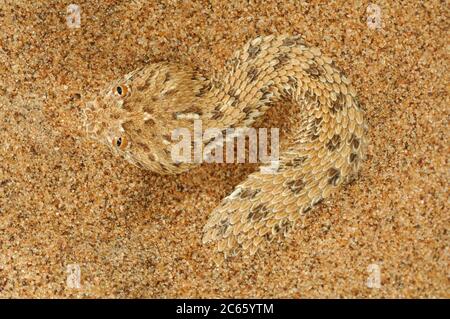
{"x":66,"y":200}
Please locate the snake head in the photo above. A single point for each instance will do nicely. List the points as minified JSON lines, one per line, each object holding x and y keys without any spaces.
{"x":136,"y":115}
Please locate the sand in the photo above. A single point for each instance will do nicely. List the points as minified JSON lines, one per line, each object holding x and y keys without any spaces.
{"x":67,"y":203}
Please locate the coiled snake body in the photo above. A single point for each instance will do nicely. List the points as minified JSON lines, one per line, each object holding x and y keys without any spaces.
{"x":136,"y":115}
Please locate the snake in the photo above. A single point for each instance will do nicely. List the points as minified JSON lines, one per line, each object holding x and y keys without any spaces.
{"x":136,"y":115}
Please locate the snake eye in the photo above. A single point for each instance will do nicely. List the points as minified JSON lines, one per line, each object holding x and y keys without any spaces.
{"x":120,"y":142}
{"x":120,"y":90}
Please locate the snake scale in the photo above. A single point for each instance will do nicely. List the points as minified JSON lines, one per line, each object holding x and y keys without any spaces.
{"x":135,"y":116}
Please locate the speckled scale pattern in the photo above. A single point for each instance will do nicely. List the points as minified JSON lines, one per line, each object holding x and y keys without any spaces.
{"x":330,"y":142}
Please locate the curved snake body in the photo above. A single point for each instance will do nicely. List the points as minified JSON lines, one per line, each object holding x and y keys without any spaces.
{"x":135,"y":116}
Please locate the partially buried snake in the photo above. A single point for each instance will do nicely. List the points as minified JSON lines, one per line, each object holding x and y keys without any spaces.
{"x":136,"y":115}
